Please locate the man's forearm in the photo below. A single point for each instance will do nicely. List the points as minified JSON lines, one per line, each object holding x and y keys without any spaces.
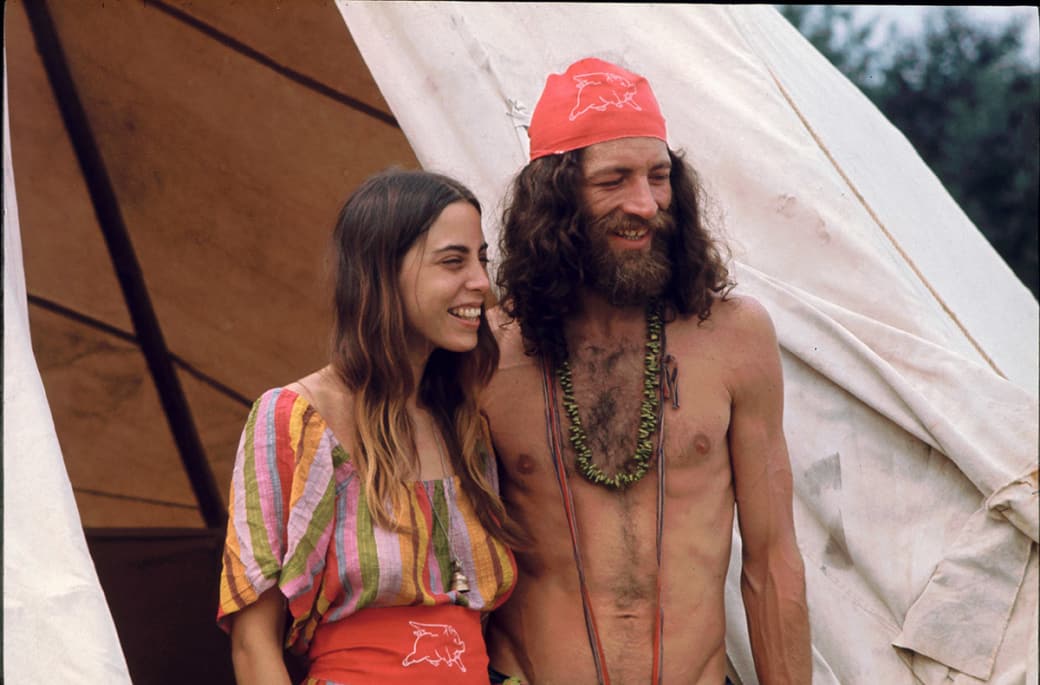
{"x":778,"y":621}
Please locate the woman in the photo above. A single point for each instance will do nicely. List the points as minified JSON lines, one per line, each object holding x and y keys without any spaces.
{"x":364,"y":509}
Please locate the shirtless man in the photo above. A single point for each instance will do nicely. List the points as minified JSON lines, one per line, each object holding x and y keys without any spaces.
{"x":602,"y":224}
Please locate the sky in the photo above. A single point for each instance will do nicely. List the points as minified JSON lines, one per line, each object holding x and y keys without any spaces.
{"x":910,"y":19}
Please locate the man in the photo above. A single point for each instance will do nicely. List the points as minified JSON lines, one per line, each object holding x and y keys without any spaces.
{"x":610,"y":284}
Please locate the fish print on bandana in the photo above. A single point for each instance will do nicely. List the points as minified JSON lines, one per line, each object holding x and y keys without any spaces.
{"x":600,"y":90}
{"x":436,"y":644}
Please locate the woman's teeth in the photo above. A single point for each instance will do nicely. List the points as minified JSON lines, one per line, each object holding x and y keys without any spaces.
{"x":466,"y":312}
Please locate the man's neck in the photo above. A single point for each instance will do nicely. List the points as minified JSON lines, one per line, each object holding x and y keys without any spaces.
{"x":601,"y":322}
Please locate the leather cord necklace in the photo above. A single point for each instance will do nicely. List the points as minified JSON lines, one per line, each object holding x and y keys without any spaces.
{"x":459,"y":581}
{"x":554,"y":438}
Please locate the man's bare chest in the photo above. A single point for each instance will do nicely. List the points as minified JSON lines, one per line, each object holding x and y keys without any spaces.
{"x":608,"y":393}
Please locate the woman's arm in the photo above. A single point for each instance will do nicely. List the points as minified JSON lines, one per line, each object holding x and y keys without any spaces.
{"x":256,"y":641}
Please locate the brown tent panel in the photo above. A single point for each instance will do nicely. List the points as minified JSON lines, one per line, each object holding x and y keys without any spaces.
{"x":228,"y":134}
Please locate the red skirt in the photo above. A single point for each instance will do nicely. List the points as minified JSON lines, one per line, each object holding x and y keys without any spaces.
{"x":434,"y":645}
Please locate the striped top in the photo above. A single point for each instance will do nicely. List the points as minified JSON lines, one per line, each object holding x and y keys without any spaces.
{"x":298,"y":519}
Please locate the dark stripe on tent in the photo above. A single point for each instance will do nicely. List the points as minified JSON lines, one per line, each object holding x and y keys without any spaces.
{"x":97,"y":324}
{"x":211,"y":382}
{"x":132,"y":498}
{"x":124,"y":261}
{"x":289,"y":73}
{"x":62,"y":310}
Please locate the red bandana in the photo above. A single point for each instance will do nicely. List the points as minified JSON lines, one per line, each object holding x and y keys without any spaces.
{"x":592,"y":102}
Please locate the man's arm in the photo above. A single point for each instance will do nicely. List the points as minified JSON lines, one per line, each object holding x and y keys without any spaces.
{"x":773,"y":575}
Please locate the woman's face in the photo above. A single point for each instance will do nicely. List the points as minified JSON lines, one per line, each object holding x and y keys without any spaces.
{"x":443,"y":281}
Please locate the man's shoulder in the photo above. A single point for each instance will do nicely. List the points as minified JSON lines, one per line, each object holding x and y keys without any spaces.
{"x":510,"y":340}
{"x":743,"y":314}
{"x":733,"y":314}
{"x":738,"y":328}
{"x":517,"y":377}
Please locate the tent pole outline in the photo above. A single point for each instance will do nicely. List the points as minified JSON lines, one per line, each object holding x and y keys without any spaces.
{"x":116,"y":332}
{"x":131,"y":498}
{"x":127,"y":268}
{"x":272,"y":64}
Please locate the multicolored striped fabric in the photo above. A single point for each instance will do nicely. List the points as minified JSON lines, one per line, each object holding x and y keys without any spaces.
{"x":298,"y":520}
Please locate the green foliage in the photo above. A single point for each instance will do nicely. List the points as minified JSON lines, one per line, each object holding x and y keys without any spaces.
{"x":833,"y":30}
{"x":968,"y":100}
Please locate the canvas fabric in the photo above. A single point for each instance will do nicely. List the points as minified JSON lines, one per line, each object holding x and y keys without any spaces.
{"x":52,"y":595}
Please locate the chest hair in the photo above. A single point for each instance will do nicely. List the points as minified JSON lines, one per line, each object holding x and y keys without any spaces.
{"x":608,"y":386}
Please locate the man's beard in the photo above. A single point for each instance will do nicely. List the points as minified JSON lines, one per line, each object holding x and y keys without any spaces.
{"x":628,"y":277}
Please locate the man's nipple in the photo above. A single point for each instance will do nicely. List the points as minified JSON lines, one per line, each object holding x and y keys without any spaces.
{"x":526,"y":464}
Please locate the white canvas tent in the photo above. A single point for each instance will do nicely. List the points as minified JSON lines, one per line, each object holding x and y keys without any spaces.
{"x":51,"y":594}
{"x":909,"y":348}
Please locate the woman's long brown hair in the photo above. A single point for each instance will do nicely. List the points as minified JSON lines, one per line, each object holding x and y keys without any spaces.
{"x":378,"y":224}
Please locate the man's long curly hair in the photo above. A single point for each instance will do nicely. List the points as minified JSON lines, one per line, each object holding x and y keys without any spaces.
{"x":543,"y":247}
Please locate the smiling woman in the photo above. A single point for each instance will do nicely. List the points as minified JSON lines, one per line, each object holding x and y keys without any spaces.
{"x":443,"y":283}
{"x":364,"y":499}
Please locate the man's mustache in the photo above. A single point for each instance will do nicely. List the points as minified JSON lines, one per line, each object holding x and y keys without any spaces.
{"x":618,"y":221}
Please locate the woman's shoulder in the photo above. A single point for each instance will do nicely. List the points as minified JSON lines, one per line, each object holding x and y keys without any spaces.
{"x":278,"y":405}
{"x":289,"y":425}
{"x":327,"y":399}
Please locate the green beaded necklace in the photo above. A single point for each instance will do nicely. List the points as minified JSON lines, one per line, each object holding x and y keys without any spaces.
{"x":637,"y":466}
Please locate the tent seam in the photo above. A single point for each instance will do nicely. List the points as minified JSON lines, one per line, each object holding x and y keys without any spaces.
{"x":870,"y":210}
{"x":873,"y":215}
{"x":496,"y":78}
